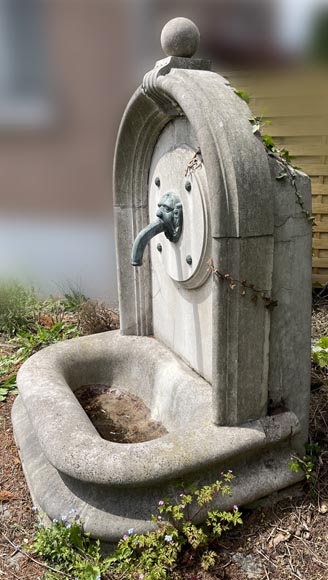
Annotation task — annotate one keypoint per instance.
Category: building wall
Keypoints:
(56, 171)
(56, 224)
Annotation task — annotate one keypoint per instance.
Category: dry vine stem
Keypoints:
(289, 171)
(194, 163)
(19, 549)
(269, 302)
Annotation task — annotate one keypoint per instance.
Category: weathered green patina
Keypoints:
(170, 219)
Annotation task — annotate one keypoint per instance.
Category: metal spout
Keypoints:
(142, 240)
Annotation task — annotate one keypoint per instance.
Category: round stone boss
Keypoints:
(177, 167)
(180, 37)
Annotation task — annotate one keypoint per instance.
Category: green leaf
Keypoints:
(242, 94)
(294, 466)
(269, 142)
(320, 352)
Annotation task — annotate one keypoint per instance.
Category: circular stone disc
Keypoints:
(168, 174)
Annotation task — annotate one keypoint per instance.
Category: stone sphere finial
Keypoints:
(180, 37)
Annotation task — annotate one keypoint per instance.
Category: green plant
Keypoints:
(29, 323)
(258, 123)
(285, 159)
(155, 555)
(18, 308)
(242, 94)
(308, 461)
(320, 352)
(7, 386)
(24, 345)
(272, 148)
(31, 342)
(9, 364)
(73, 300)
(69, 549)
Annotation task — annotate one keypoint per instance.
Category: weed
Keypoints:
(155, 555)
(7, 386)
(73, 300)
(30, 324)
(258, 123)
(152, 556)
(25, 344)
(308, 461)
(96, 317)
(242, 94)
(272, 148)
(18, 308)
(69, 549)
(30, 342)
(320, 352)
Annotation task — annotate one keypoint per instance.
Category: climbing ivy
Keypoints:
(288, 170)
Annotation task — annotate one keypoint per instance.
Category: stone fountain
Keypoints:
(215, 313)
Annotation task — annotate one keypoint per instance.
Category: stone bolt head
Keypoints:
(180, 37)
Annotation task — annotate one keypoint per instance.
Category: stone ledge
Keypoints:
(108, 511)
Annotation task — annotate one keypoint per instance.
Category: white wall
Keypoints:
(55, 255)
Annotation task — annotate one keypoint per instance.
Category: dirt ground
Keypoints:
(118, 415)
(278, 540)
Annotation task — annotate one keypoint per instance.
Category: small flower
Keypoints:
(317, 349)
(34, 508)
(68, 526)
(229, 471)
(125, 537)
(159, 517)
(160, 502)
(168, 538)
(55, 521)
(141, 576)
(63, 518)
(72, 511)
(183, 505)
(98, 577)
(235, 507)
(130, 531)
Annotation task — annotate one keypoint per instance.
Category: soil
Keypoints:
(118, 415)
(282, 538)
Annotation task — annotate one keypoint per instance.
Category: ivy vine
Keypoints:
(281, 154)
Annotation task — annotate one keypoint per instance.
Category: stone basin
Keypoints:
(116, 486)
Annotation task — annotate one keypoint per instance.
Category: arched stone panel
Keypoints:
(239, 199)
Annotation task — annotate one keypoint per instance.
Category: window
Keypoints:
(24, 87)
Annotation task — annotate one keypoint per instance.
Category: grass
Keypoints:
(29, 323)
(278, 541)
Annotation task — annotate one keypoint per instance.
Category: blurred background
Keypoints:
(67, 70)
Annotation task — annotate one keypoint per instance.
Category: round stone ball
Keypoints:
(180, 37)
